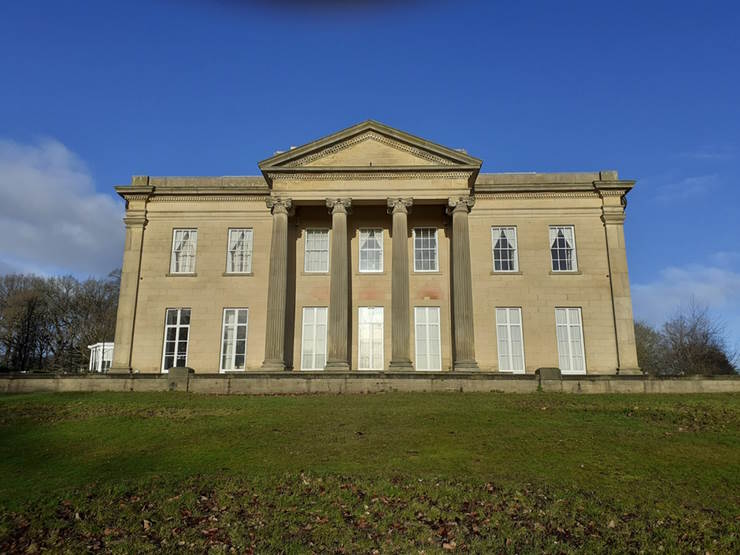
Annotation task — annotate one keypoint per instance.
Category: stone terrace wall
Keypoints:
(370, 382)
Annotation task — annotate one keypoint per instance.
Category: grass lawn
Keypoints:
(396, 473)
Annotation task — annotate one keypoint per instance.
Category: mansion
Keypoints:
(375, 250)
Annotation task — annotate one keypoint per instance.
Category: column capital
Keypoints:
(399, 204)
(455, 204)
(135, 218)
(613, 215)
(339, 205)
(279, 205)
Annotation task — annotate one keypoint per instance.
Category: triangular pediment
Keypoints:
(369, 145)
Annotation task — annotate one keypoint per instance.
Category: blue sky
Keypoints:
(93, 92)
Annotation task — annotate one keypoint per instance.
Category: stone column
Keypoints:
(338, 325)
(462, 285)
(400, 309)
(277, 285)
(135, 221)
(624, 328)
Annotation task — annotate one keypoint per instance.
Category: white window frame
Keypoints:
(552, 235)
(370, 325)
(236, 325)
(504, 324)
(306, 250)
(417, 231)
(178, 327)
(567, 328)
(363, 236)
(511, 237)
(194, 236)
(316, 310)
(247, 253)
(418, 336)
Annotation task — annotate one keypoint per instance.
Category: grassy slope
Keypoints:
(511, 472)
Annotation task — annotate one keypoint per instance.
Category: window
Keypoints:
(570, 340)
(509, 335)
(563, 249)
(176, 335)
(317, 250)
(425, 250)
(183, 251)
(505, 257)
(239, 255)
(234, 339)
(371, 250)
(370, 344)
(428, 352)
(313, 341)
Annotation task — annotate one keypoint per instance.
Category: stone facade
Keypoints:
(373, 177)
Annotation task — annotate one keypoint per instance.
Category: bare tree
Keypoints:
(696, 344)
(651, 349)
(47, 323)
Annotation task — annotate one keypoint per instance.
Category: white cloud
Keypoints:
(711, 153)
(51, 218)
(717, 288)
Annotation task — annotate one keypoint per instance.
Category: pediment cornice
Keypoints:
(306, 161)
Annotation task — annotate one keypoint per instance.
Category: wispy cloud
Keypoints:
(687, 187)
(712, 154)
(51, 218)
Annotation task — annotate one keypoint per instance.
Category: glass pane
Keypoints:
(185, 316)
(171, 316)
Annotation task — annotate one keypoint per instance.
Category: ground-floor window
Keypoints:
(510, 344)
(313, 342)
(176, 336)
(570, 340)
(428, 341)
(370, 332)
(234, 339)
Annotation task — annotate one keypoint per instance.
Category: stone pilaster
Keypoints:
(613, 217)
(462, 285)
(400, 309)
(135, 221)
(338, 325)
(277, 285)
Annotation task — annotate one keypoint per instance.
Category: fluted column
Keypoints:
(277, 285)
(400, 352)
(462, 285)
(338, 326)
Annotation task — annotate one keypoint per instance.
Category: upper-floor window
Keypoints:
(371, 250)
(505, 257)
(563, 248)
(184, 242)
(239, 257)
(425, 250)
(316, 257)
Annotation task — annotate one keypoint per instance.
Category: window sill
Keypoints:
(238, 274)
(500, 273)
(429, 273)
(370, 274)
(566, 273)
(305, 273)
(181, 274)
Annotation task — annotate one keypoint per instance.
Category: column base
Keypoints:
(337, 366)
(465, 366)
(400, 366)
(273, 366)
